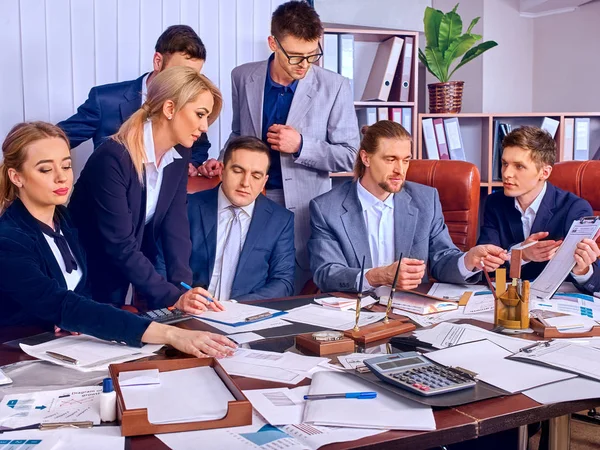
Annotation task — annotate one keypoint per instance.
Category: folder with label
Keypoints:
(240, 314)
(569, 135)
(430, 141)
(455, 142)
(582, 139)
(383, 70)
(440, 135)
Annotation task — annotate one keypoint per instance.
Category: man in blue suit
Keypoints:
(531, 209)
(109, 105)
(387, 221)
(242, 242)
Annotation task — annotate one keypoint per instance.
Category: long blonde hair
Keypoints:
(14, 150)
(179, 84)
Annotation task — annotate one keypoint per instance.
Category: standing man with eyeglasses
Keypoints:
(303, 112)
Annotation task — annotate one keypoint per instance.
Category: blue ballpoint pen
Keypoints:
(188, 287)
(357, 395)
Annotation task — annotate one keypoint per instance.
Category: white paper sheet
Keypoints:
(448, 334)
(331, 319)
(139, 377)
(263, 436)
(278, 406)
(480, 304)
(386, 411)
(565, 391)
(245, 338)
(345, 304)
(97, 438)
(571, 324)
(573, 304)
(235, 312)
(256, 326)
(488, 361)
(432, 319)
(91, 353)
(453, 291)
(64, 405)
(355, 360)
(185, 395)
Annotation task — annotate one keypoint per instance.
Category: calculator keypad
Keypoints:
(429, 379)
(165, 315)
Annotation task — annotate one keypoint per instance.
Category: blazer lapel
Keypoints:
(255, 91)
(133, 97)
(260, 217)
(305, 91)
(354, 225)
(210, 206)
(546, 210)
(405, 222)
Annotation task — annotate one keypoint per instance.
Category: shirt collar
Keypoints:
(145, 87)
(535, 205)
(368, 200)
(223, 203)
(167, 158)
(270, 84)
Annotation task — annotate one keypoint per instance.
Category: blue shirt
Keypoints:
(276, 107)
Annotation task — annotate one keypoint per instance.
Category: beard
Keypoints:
(387, 187)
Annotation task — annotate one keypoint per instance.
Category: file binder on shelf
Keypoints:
(454, 139)
(440, 135)
(402, 81)
(134, 422)
(582, 139)
(569, 136)
(330, 52)
(430, 141)
(383, 70)
(346, 57)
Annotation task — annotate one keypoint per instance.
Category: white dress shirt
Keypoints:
(528, 217)
(223, 224)
(72, 279)
(154, 174)
(379, 220)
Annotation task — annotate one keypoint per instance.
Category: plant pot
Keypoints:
(445, 97)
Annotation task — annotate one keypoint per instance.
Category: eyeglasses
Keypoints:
(295, 60)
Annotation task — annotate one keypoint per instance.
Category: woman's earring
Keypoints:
(170, 117)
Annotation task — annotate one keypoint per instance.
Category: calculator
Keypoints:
(166, 315)
(413, 372)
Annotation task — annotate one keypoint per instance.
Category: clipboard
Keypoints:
(134, 422)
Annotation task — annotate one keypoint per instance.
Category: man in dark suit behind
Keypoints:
(242, 242)
(109, 105)
(531, 209)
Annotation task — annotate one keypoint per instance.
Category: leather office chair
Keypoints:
(582, 178)
(197, 184)
(458, 184)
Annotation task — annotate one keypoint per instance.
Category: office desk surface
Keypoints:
(453, 424)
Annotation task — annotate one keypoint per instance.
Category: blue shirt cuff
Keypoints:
(297, 154)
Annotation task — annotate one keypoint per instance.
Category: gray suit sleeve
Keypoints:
(327, 260)
(443, 254)
(338, 153)
(235, 120)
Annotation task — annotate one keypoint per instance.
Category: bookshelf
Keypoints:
(477, 130)
(366, 42)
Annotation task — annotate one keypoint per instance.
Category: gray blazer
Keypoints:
(339, 236)
(323, 112)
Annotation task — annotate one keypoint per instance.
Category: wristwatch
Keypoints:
(327, 336)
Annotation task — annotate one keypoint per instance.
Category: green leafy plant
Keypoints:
(446, 43)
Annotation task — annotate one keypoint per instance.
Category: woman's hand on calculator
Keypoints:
(196, 301)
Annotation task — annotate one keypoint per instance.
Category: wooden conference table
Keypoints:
(455, 424)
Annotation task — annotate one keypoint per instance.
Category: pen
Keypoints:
(55, 425)
(482, 293)
(489, 282)
(188, 287)
(258, 317)
(357, 395)
(63, 358)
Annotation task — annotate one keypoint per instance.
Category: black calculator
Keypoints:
(166, 315)
(415, 373)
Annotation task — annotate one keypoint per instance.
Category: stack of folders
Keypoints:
(370, 115)
(443, 139)
(577, 140)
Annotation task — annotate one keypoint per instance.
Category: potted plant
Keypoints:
(445, 43)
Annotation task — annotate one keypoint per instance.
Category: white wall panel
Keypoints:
(128, 38)
(105, 40)
(150, 29)
(11, 75)
(227, 60)
(245, 31)
(189, 14)
(170, 13)
(35, 70)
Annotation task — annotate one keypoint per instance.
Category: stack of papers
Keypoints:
(279, 406)
(488, 361)
(241, 317)
(447, 334)
(186, 395)
(433, 319)
(571, 324)
(387, 411)
(264, 436)
(331, 319)
(87, 353)
(453, 291)
(64, 405)
(570, 303)
(354, 360)
(344, 303)
(419, 304)
(288, 368)
(97, 438)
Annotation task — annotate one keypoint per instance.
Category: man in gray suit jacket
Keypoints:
(381, 216)
(303, 112)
